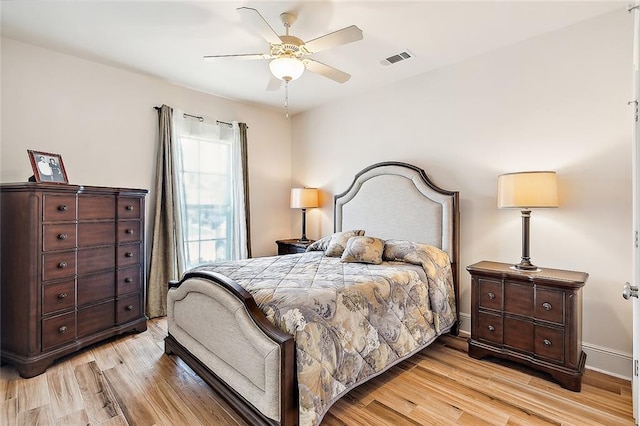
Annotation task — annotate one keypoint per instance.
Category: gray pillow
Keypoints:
(320, 245)
(363, 250)
(339, 241)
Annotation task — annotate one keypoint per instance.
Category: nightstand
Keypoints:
(292, 246)
(534, 318)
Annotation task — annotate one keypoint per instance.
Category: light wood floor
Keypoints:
(129, 380)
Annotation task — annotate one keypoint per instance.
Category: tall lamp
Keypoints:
(304, 198)
(527, 190)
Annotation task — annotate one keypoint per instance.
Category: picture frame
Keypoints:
(47, 167)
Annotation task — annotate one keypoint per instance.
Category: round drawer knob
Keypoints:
(129, 231)
(62, 296)
(491, 328)
(129, 308)
(129, 207)
(62, 265)
(128, 254)
(547, 342)
(62, 236)
(491, 295)
(546, 306)
(62, 329)
(63, 208)
(128, 280)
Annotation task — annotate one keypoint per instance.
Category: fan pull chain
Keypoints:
(286, 99)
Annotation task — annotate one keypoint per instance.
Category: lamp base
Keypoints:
(303, 240)
(526, 267)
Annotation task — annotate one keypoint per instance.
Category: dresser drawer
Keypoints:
(96, 287)
(130, 208)
(58, 330)
(91, 207)
(58, 207)
(490, 293)
(96, 234)
(58, 296)
(58, 236)
(96, 318)
(549, 343)
(128, 280)
(58, 265)
(518, 298)
(128, 308)
(518, 334)
(490, 327)
(550, 305)
(129, 230)
(128, 254)
(96, 259)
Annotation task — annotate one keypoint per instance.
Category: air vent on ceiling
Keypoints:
(393, 59)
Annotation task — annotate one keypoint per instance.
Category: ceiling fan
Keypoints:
(289, 54)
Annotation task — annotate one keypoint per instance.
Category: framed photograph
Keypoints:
(47, 167)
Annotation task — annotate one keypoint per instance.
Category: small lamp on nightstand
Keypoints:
(304, 198)
(527, 190)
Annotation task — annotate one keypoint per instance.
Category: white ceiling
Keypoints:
(168, 39)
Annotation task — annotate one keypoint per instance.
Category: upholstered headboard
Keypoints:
(397, 200)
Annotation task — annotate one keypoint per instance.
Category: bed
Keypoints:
(265, 333)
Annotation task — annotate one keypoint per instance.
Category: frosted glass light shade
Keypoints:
(527, 190)
(304, 198)
(286, 68)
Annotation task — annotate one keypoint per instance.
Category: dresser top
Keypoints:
(63, 187)
(505, 270)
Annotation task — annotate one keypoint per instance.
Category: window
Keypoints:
(205, 179)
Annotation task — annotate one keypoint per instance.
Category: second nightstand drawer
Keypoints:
(550, 305)
(549, 343)
(490, 327)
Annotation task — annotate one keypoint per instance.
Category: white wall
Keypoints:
(101, 120)
(556, 102)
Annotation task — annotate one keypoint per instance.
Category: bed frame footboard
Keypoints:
(217, 329)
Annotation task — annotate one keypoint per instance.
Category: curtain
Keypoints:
(242, 141)
(240, 184)
(167, 260)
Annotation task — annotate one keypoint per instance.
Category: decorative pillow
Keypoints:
(339, 241)
(363, 250)
(320, 245)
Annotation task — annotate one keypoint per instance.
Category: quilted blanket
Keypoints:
(350, 321)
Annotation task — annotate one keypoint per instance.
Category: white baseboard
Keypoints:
(604, 360)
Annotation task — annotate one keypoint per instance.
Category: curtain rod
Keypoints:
(199, 117)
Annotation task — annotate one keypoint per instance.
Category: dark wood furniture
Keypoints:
(72, 269)
(534, 318)
(292, 246)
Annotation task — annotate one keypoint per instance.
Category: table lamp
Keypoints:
(527, 190)
(304, 198)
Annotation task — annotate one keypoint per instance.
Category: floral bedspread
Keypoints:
(350, 321)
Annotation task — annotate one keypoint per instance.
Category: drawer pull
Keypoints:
(128, 280)
(129, 308)
(62, 208)
(62, 236)
(491, 296)
(62, 329)
(547, 342)
(129, 207)
(491, 328)
(546, 306)
(128, 254)
(129, 231)
(62, 296)
(62, 265)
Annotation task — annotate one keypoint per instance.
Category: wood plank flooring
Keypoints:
(130, 381)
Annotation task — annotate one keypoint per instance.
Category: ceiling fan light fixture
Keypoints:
(287, 68)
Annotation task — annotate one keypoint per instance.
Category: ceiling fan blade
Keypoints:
(253, 19)
(336, 38)
(274, 83)
(326, 71)
(242, 56)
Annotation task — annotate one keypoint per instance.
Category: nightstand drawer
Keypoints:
(490, 294)
(550, 305)
(490, 327)
(549, 343)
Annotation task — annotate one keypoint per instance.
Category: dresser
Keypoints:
(72, 269)
(534, 318)
(292, 246)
